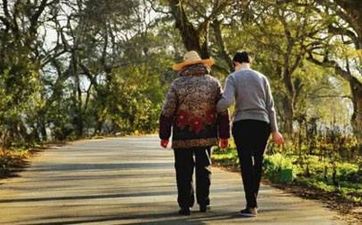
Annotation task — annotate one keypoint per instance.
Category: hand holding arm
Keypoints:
(228, 97)
(223, 122)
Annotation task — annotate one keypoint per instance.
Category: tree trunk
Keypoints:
(353, 16)
(288, 101)
(288, 111)
(41, 127)
(43, 131)
(221, 44)
(356, 120)
(77, 97)
(193, 39)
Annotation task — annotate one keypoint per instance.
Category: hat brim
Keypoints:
(207, 62)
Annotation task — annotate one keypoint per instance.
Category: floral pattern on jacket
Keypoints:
(190, 109)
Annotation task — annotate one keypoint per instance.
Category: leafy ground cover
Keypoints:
(336, 183)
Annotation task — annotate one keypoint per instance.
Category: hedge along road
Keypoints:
(131, 180)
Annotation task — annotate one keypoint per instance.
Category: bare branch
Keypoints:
(6, 9)
(332, 64)
(34, 20)
(346, 32)
(329, 96)
(6, 22)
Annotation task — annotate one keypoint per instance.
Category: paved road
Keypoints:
(131, 181)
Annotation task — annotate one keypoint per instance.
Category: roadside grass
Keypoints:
(12, 160)
(17, 158)
(336, 183)
(344, 179)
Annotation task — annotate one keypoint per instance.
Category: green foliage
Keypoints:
(10, 160)
(130, 102)
(324, 174)
(106, 73)
(279, 169)
(227, 157)
(106, 70)
(20, 96)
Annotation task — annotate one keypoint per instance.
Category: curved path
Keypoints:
(131, 181)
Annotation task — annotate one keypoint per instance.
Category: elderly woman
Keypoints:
(190, 109)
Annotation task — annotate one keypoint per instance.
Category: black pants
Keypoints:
(184, 165)
(251, 137)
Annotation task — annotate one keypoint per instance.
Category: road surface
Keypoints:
(131, 180)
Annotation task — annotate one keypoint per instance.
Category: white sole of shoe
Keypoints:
(247, 215)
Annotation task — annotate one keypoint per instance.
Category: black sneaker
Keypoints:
(204, 208)
(249, 212)
(184, 211)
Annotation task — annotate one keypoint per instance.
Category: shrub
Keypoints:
(279, 169)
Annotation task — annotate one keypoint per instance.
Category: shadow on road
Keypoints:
(100, 166)
(111, 196)
(169, 218)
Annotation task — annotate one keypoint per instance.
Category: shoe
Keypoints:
(249, 212)
(184, 211)
(204, 208)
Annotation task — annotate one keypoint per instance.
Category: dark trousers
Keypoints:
(185, 161)
(251, 137)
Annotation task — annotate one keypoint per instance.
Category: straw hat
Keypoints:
(191, 58)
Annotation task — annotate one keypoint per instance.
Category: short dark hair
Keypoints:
(242, 57)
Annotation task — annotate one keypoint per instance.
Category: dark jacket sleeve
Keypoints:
(223, 121)
(223, 124)
(167, 114)
(165, 127)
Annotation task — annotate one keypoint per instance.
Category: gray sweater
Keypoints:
(253, 96)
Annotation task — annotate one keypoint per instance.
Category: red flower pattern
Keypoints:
(210, 116)
(196, 124)
(182, 119)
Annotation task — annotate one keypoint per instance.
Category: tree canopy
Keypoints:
(75, 68)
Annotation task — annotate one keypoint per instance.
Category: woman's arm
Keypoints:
(228, 97)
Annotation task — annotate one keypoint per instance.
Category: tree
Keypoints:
(19, 69)
(346, 27)
(280, 34)
(104, 53)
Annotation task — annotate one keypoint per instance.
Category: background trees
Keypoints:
(85, 67)
(342, 51)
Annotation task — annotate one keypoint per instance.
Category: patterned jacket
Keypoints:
(190, 109)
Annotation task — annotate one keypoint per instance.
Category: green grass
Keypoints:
(325, 175)
(227, 158)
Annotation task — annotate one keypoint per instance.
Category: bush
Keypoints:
(12, 159)
(279, 169)
(228, 157)
(349, 172)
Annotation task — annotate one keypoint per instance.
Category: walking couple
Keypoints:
(196, 110)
